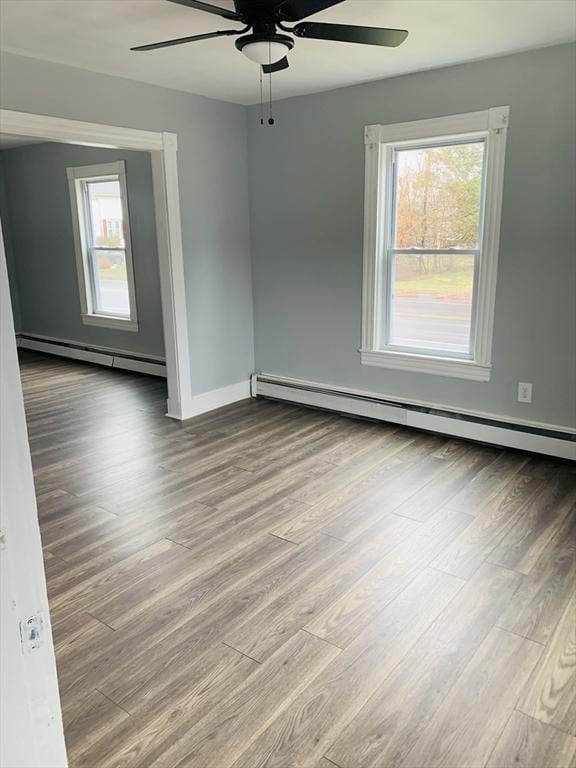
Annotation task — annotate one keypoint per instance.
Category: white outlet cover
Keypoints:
(524, 392)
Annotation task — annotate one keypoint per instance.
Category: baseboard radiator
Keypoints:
(113, 358)
(546, 439)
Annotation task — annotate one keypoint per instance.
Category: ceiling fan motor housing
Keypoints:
(251, 10)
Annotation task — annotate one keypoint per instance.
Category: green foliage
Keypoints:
(449, 286)
(438, 275)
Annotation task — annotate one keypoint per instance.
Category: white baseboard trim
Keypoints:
(400, 400)
(217, 398)
(140, 366)
(557, 442)
(75, 350)
(98, 347)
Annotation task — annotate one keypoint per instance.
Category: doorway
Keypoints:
(162, 148)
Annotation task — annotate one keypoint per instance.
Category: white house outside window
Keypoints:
(102, 240)
(432, 219)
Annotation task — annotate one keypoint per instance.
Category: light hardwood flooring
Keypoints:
(267, 585)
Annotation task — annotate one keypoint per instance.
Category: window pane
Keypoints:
(431, 303)
(437, 196)
(110, 283)
(106, 213)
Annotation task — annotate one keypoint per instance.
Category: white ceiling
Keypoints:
(96, 35)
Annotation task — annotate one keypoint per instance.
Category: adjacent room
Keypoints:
(288, 384)
(80, 236)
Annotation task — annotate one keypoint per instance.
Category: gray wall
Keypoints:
(42, 245)
(307, 186)
(306, 195)
(213, 167)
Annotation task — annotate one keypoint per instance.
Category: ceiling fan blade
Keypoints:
(180, 40)
(294, 10)
(276, 67)
(209, 8)
(346, 33)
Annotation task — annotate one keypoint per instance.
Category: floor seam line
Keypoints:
(114, 629)
(113, 702)
(524, 637)
(303, 629)
(550, 725)
(240, 652)
(288, 541)
(331, 761)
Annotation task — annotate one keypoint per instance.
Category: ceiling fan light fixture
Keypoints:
(265, 50)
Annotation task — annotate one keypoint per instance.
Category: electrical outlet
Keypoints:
(524, 392)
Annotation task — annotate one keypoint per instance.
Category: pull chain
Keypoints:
(270, 118)
(270, 114)
(261, 99)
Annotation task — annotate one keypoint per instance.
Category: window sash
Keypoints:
(92, 249)
(93, 309)
(394, 149)
(384, 320)
(384, 282)
(87, 208)
(97, 302)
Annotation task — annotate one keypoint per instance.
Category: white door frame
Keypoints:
(162, 147)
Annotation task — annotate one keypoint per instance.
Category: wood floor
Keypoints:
(273, 586)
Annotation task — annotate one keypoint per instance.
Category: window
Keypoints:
(102, 241)
(432, 219)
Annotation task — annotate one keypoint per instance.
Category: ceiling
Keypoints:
(96, 35)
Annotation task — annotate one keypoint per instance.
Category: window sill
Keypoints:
(109, 321)
(437, 366)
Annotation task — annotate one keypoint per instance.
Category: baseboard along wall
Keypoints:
(548, 439)
(119, 358)
(76, 350)
(217, 398)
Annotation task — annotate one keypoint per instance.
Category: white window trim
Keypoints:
(76, 176)
(490, 124)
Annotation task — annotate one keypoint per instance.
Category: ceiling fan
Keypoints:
(268, 47)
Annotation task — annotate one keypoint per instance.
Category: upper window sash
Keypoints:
(84, 185)
(490, 126)
(393, 150)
